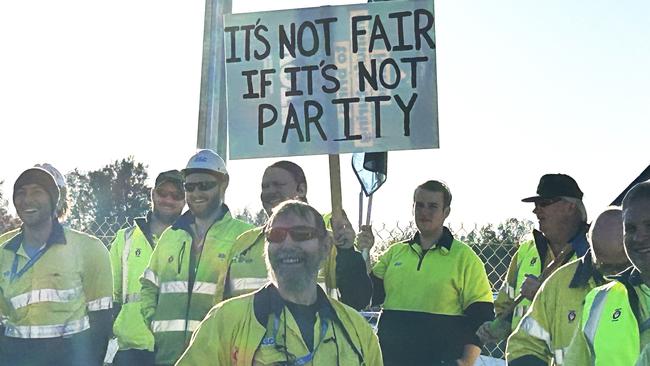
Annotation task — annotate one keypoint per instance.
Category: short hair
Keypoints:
(436, 186)
(640, 191)
(292, 168)
(580, 206)
(302, 210)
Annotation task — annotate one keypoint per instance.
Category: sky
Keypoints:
(525, 88)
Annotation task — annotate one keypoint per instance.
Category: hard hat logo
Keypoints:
(206, 160)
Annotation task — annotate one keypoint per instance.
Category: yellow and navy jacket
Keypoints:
(433, 300)
(344, 270)
(531, 258)
(258, 329)
(130, 253)
(179, 287)
(615, 323)
(545, 332)
(63, 290)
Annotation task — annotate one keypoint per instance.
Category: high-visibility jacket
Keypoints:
(644, 359)
(247, 271)
(178, 287)
(530, 259)
(8, 235)
(258, 329)
(50, 295)
(547, 328)
(433, 300)
(130, 253)
(615, 324)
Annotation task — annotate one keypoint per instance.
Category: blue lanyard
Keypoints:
(300, 361)
(15, 274)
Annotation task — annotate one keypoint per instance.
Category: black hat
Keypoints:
(556, 185)
(172, 176)
(41, 177)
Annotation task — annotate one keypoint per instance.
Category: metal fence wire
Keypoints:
(495, 255)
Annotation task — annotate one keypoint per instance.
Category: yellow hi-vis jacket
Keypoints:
(130, 253)
(547, 328)
(615, 324)
(51, 294)
(179, 288)
(258, 329)
(530, 259)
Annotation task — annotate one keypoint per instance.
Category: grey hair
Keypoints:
(579, 205)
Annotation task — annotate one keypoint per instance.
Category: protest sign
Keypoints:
(329, 80)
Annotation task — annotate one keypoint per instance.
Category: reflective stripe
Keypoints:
(103, 303)
(520, 311)
(594, 316)
(180, 287)
(47, 331)
(132, 298)
(177, 325)
(252, 283)
(150, 276)
(534, 329)
(558, 355)
(45, 295)
(128, 234)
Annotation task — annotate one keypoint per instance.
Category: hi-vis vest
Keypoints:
(528, 263)
(610, 327)
(171, 303)
(130, 254)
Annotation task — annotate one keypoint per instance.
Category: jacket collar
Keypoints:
(267, 301)
(144, 223)
(445, 240)
(185, 221)
(579, 243)
(629, 277)
(585, 271)
(57, 236)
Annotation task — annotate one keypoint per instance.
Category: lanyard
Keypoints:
(15, 274)
(308, 357)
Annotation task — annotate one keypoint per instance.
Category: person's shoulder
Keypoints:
(75, 236)
(250, 235)
(352, 316)
(5, 237)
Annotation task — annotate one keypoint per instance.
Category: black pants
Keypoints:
(69, 351)
(133, 357)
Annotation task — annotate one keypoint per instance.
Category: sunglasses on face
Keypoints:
(202, 186)
(297, 233)
(547, 201)
(176, 196)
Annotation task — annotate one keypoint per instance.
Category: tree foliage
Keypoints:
(7, 221)
(109, 197)
(257, 219)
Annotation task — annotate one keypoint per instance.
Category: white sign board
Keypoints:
(334, 79)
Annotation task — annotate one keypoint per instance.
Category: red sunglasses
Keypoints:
(297, 233)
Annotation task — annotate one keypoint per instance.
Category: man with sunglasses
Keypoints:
(344, 270)
(290, 321)
(130, 253)
(561, 237)
(545, 332)
(180, 283)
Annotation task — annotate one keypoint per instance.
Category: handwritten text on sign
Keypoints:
(335, 79)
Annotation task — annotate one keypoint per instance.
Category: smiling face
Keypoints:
(278, 185)
(429, 211)
(636, 227)
(33, 205)
(168, 201)
(294, 258)
(204, 203)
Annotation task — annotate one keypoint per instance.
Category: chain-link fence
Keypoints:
(496, 255)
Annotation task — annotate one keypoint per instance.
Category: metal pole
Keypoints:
(212, 129)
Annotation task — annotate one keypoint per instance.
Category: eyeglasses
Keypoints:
(176, 196)
(297, 233)
(547, 201)
(202, 186)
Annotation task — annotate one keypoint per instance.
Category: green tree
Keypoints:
(257, 219)
(7, 221)
(108, 198)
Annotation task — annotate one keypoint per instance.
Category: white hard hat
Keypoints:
(58, 177)
(206, 159)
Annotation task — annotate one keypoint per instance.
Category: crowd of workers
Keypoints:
(204, 288)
